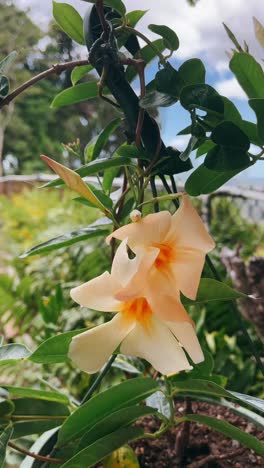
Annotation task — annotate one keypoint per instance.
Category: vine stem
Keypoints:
(56, 461)
(218, 278)
(55, 69)
(98, 380)
(148, 41)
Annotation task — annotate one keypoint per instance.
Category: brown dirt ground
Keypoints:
(206, 448)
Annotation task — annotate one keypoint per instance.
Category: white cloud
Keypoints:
(180, 142)
(231, 89)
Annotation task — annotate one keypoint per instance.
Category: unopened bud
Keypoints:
(135, 216)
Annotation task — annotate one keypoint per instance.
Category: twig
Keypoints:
(56, 461)
(173, 184)
(98, 379)
(154, 193)
(55, 69)
(213, 458)
(148, 41)
(100, 12)
(183, 435)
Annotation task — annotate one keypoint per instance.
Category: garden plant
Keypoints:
(149, 272)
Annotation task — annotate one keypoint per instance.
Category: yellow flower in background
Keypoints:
(182, 241)
(138, 325)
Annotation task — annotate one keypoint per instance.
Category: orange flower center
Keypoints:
(138, 309)
(166, 256)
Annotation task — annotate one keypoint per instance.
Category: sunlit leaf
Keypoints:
(4, 439)
(169, 36)
(79, 72)
(69, 21)
(249, 74)
(78, 93)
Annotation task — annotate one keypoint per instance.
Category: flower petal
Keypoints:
(186, 335)
(158, 346)
(90, 350)
(166, 307)
(98, 293)
(187, 270)
(148, 231)
(188, 229)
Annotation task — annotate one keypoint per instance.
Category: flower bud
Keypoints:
(135, 216)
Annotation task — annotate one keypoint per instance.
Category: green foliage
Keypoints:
(69, 21)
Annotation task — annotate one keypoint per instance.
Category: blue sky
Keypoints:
(201, 35)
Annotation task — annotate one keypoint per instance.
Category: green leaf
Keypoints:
(251, 130)
(4, 439)
(204, 180)
(231, 150)
(205, 147)
(131, 152)
(80, 92)
(107, 201)
(168, 81)
(6, 408)
(35, 393)
(55, 349)
(232, 37)
(192, 72)
(147, 54)
(258, 107)
(229, 430)
(172, 164)
(126, 394)
(7, 61)
(202, 96)
(79, 72)
(248, 73)
(160, 402)
(12, 352)
(103, 137)
(185, 384)
(94, 167)
(89, 456)
(69, 21)
(112, 422)
(65, 240)
(4, 86)
(157, 99)
(117, 5)
(42, 446)
(134, 16)
(121, 362)
(205, 368)
(170, 38)
(256, 403)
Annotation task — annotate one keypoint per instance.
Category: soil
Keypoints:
(206, 448)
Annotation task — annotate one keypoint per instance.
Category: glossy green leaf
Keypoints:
(147, 54)
(131, 152)
(251, 130)
(256, 403)
(229, 134)
(192, 72)
(228, 430)
(258, 107)
(4, 439)
(232, 37)
(205, 147)
(6, 408)
(79, 72)
(4, 86)
(91, 455)
(117, 5)
(134, 16)
(107, 201)
(249, 74)
(7, 61)
(35, 393)
(80, 92)
(203, 369)
(157, 99)
(202, 96)
(126, 394)
(94, 167)
(103, 137)
(204, 180)
(36, 426)
(169, 81)
(121, 362)
(160, 402)
(112, 422)
(198, 386)
(42, 446)
(172, 164)
(12, 352)
(65, 240)
(169, 36)
(69, 21)
(55, 349)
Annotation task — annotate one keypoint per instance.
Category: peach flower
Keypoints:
(138, 327)
(182, 241)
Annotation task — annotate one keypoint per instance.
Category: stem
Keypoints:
(55, 69)
(218, 278)
(56, 461)
(100, 12)
(183, 435)
(99, 379)
(154, 193)
(172, 197)
(173, 184)
(142, 36)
